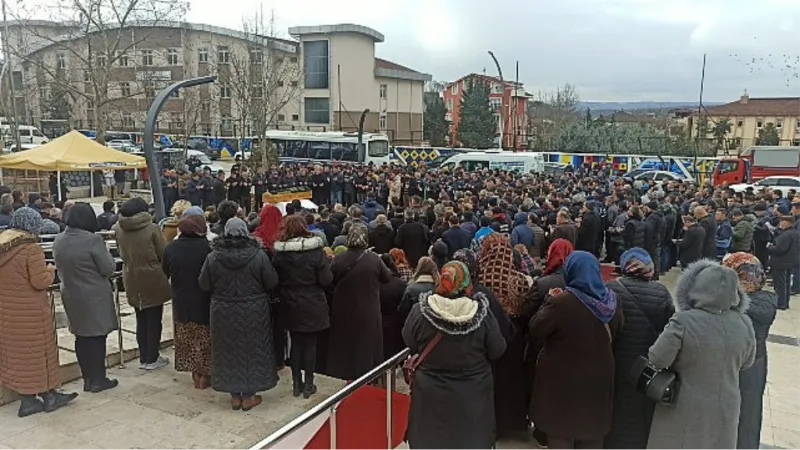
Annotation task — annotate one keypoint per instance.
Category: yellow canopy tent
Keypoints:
(71, 152)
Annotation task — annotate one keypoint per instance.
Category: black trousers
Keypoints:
(782, 281)
(91, 354)
(303, 356)
(148, 333)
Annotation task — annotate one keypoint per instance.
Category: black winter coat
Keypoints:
(304, 271)
(709, 224)
(382, 239)
(690, 248)
(634, 233)
(456, 239)
(183, 260)
(647, 307)
(653, 232)
(239, 274)
(411, 295)
(588, 233)
(330, 229)
(391, 295)
(412, 238)
(785, 253)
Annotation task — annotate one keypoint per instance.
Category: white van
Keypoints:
(27, 134)
(524, 162)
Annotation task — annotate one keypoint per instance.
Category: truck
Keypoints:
(758, 162)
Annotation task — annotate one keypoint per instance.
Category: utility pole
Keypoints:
(502, 99)
(8, 69)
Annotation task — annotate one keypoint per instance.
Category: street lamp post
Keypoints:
(150, 129)
(502, 99)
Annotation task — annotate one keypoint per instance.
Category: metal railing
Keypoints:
(388, 369)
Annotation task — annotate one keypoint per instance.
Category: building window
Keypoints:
(147, 57)
(280, 83)
(227, 124)
(61, 61)
(295, 117)
(315, 60)
(125, 89)
(175, 94)
(223, 55)
(127, 121)
(449, 104)
(454, 88)
(739, 122)
(205, 107)
(317, 110)
(496, 88)
(172, 57)
(202, 55)
(281, 118)
(87, 76)
(294, 83)
(258, 90)
(494, 103)
(101, 60)
(256, 56)
(382, 122)
(149, 89)
(122, 59)
(224, 91)
(779, 123)
(759, 122)
(383, 89)
(293, 60)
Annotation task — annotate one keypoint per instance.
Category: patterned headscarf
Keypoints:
(498, 274)
(636, 262)
(748, 268)
(470, 259)
(556, 255)
(358, 236)
(27, 219)
(454, 280)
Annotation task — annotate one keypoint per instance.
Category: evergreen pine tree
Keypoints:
(477, 126)
(435, 126)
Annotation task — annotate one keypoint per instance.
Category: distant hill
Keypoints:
(657, 108)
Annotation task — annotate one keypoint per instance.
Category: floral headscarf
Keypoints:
(498, 274)
(454, 280)
(556, 255)
(470, 259)
(636, 262)
(358, 236)
(748, 268)
(27, 219)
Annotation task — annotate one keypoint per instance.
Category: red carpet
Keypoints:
(361, 421)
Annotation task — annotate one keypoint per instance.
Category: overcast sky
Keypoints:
(612, 50)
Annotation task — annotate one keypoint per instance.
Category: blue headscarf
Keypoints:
(636, 262)
(583, 279)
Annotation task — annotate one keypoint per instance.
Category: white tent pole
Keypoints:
(1, 175)
(91, 184)
(58, 187)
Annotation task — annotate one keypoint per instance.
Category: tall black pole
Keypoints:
(361, 151)
(699, 116)
(149, 131)
(502, 98)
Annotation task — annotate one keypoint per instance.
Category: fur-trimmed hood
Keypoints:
(709, 286)
(456, 316)
(298, 244)
(235, 252)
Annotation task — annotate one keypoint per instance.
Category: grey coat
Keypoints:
(707, 342)
(84, 267)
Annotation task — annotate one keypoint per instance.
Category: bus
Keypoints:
(306, 146)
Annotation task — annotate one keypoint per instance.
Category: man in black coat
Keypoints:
(784, 257)
(456, 237)
(653, 235)
(412, 237)
(589, 231)
(709, 224)
(690, 247)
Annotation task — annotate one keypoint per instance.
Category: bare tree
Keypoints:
(551, 112)
(98, 38)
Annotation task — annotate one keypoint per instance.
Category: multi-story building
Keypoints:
(747, 116)
(320, 82)
(510, 103)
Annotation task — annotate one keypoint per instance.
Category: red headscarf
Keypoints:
(556, 255)
(270, 225)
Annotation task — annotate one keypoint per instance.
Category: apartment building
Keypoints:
(511, 102)
(321, 81)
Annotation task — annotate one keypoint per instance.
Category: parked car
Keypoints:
(782, 183)
(199, 145)
(197, 159)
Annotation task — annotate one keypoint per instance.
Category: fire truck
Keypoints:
(758, 162)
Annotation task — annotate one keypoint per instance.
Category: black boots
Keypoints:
(309, 389)
(30, 405)
(95, 386)
(297, 387)
(54, 400)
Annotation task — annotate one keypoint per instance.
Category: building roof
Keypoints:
(337, 28)
(746, 106)
(488, 78)
(388, 69)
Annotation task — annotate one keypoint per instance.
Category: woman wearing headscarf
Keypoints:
(572, 395)
(141, 247)
(452, 404)
(752, 381)
(304, 272)
(84, 267)
(356, 333)
(183, 259)
(647, 308)
(425, 278)
(511, 288)
(29, 362)
(402, 265)
(708, 342)
(553, 273)
(239, 275)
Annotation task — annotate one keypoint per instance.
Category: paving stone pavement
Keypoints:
(161, 409)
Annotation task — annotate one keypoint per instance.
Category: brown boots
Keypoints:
(245, 403)
(201, 381)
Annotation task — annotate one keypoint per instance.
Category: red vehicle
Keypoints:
(756, 163)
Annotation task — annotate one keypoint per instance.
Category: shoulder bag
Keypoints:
(413, 362)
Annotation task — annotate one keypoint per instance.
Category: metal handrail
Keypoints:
(331, 404)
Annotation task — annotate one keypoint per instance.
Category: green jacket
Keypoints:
(743, 234)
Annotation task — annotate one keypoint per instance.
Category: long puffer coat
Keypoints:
(647, 308)
(28, 353)
(238, 273)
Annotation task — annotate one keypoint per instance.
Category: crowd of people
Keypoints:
(492, 278)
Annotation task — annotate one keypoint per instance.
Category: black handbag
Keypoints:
(660, 385)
